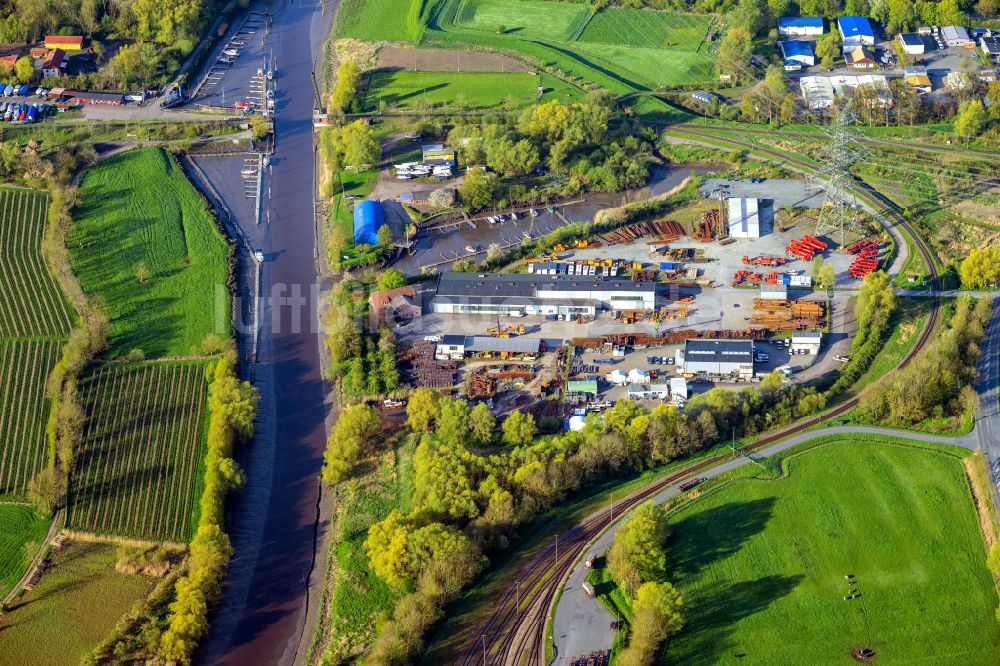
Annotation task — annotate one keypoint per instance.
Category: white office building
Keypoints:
(744, 218)
(808, 342)
(721, 358)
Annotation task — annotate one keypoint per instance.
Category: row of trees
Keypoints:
(637, 560)
(937, 384)
(345, 94)
(232, 405)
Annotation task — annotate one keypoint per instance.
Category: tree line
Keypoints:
(638, 562)
(232, 406)
(937, 385)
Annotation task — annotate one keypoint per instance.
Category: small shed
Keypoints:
(861, 58)
(617, 377)
(450, 347)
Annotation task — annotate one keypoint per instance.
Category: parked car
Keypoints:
(432, 338)
(842, 359)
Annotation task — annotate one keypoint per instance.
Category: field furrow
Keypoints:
(141, 450)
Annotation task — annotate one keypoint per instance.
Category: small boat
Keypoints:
(526, 234)
(249, 172)
(501, 217)
(533, 212)
(471, 248)
(513, 214)
(550, 209)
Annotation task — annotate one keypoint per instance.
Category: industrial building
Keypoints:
(457, 346)
(649, 392)
(722, 358)
(679, 388)
(807, 342)
(855, 31)
(703, 96)
(744, 218)
(956, 35)
(64, 42)
(520, 294)
(797, 52)
(368, 218)
(991, 47)
(800, 26)
(586, 387)
(774, 292)
(912, 43)
(819, 91)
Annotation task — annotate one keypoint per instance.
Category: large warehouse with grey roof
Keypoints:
(534, 294)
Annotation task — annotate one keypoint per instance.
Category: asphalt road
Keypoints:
(582, 624)
(261, 619)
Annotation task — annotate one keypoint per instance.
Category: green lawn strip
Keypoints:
(359, 596)
(761, 563)
(522, 18)
(22, 531)
(652, 67)
(139, 209)
(653, 29)
(382, 20)
(463, 91)
(73, 607)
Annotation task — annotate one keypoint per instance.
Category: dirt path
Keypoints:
(54, 528)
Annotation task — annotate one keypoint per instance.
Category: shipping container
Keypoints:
(666, 265)
(800, 281)
(589, 589)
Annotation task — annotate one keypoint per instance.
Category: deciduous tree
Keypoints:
(518, 428)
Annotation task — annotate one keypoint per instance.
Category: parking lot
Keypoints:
(235, 73)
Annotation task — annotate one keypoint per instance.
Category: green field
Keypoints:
(138, 208)
(559, 21)
(138, 470)
(19, 526)
(378, 20)
(649, 67)
(24, 368)
(471, 90)
(624, 51)
(30, 302)
(761, 563)
(637, 27)
(72, 609)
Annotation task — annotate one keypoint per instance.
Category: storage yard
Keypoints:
(632, 301)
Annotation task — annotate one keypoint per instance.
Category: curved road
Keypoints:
(272, 522)
(581, 624)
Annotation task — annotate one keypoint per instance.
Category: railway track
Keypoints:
(514, 634)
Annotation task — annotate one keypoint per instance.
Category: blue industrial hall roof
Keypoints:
(368, 217)
(855, 26)
(796, 47)
(801, 22)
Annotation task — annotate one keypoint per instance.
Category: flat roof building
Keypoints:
(778, 292)
(990, 46)
(856, 31)
(583, 387)
(519, 294)
(797, 51)
(744, 218)
(912, 43)
(457, 346)
(649, 391)
(719, 357)
(679, 387)
(808, 342)
(800, 26)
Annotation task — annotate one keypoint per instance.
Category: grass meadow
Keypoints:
(378, 20)
(638, 27)
(761, 563)
(72, 609)
(140, 210)
(559, 21)
(470, 90)
(22, 530)
(650, 67)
